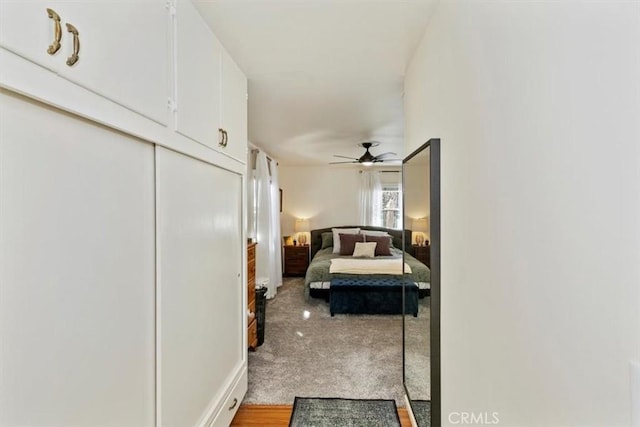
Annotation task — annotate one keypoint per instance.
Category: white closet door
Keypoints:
(77, 271)
(200, 337)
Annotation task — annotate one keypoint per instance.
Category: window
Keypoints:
(391, 206)
(381, 199)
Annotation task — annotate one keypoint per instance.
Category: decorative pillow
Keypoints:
(327, 240)
(383, 247)
(364, 250)
(348, 242)
(377, 233)
(336, 237)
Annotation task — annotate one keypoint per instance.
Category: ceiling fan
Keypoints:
(367, 159)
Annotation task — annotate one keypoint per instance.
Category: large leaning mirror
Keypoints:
(421, 327)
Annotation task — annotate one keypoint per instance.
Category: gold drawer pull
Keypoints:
(235, 402)
(76, 45)
(57, 36)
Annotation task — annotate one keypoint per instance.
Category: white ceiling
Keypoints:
(323, 75)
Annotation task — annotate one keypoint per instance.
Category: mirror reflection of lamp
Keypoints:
(420, 226)
(302, 227)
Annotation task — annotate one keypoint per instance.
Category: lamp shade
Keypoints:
(421, 225)
(302, 225)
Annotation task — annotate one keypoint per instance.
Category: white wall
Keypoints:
(537, 105)
(327, 195)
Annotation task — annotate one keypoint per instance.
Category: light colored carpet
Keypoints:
(308, 353)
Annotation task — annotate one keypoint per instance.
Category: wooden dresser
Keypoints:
(252, 328)
(296, 260)
(423, 254)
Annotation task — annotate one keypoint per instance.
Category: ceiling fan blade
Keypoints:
(339, 163)
(384, 156)
(345, 157)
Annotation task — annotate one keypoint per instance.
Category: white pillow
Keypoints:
(375, 233)
(336, 236)
(365, 250)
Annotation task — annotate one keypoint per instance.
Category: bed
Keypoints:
(318, 276)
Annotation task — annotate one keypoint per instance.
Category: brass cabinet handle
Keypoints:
(221, 142)
(235, 402)
(76, 45)
(57, 36)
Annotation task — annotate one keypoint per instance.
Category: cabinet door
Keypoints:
(26, 29)
(198, 56)
(123, 52)
(200, 294)
(77, 276)
(234, 108)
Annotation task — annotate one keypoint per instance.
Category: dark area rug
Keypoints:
(422, 412)
(326, 412)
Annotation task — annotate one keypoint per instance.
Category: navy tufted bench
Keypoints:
(371, 296)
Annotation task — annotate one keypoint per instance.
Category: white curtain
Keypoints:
(267, 211)
(370, 198)
(251, 201)
(275, 275)
(401, 206)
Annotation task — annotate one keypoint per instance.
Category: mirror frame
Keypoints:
(434, 302)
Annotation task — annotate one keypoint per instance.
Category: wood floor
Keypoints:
(278, 416)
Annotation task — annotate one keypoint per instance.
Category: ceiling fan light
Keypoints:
(367, 159)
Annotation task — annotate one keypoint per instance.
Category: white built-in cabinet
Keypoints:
(122, 257)
(123, 50)
(214, 114)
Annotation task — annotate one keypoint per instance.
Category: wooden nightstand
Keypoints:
(252, 325)
(296, 260)
(423, 254)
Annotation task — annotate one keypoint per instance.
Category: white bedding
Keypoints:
(327, 285)
(368, 266)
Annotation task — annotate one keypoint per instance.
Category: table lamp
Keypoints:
(420, 226)
(302, 226)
